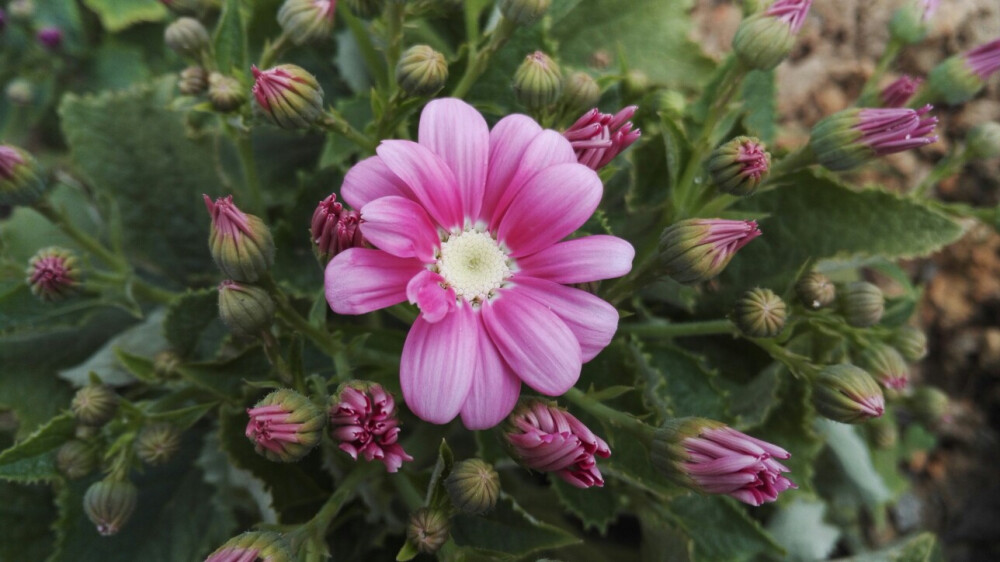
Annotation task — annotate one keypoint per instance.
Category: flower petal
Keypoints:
(456, 132)
(425, 291)
(550, 206)
(401, 227)
(495, 388)
(438, 363)
(534, 341)
(370, 179)
(592, 320)
(581, 260)
(433, 183)
(360, 280)
(509, 139)
(547, 149)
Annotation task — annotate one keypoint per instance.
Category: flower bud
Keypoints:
(983, 141)
(538, 81)
(581, 92)
(76, 459)
(288, 96)
(421, 71)
(959, 78)
(898, 93)
(21, 10)
(760, 314)
(862, 304)
(187, 37)
(20, 92)
(696, 250)
(19, 180)
(225, 93)
(307, 21)
(193, 81)
(285, 426)
(739, 166)
(247, 310)
(672, 103)
(887, 366)
(50, 37)
(94, 405)
(334, 229)
(928, 404)
(241, 244)
(524, 12)
(428, 530)
(254, 546)
(882, 432)
(764, 40)
(473, 486)
(365, 8)
(815, 290)
(165, 364)
(53, 274)
(636, 83)
(847, 394)
(109, 504)
(709, 457)
(852, 137)
(910, 22)
(157, 443)
(363, 420)
(597, 138)
(910, 342)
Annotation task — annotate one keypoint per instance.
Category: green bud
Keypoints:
(76, 459)
(225, 93)
(241, 244)
(760, 314)
(246, 309)
(953, 81)
(696, 250)
(928, 404)
(20, 92)
(887, 366)
(473, 486)
(763, 41)
(815, 290)
(428, 530)
(581, 93)
(862, 304)
(672, 103)
(421, 71)
(165, 364)
(739, 166)
(284, 426)
(882, 432)
(263, 546)
(524, 12)
(109, 504)
(907, 24)
(307, 21)
(187, 37)
(847, 394)
(94, 405)
(53, 274)
(365, 8)
(288, 96)
(193, 81)
(910, 342)
(983, 141)
(538, 81)
(157, 443)
(20, 183)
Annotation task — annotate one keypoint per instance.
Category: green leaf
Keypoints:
(33, 459)
(26, 513)
(116, 15)
(789, 426)
(800, 528)
(145, 340)
(595, 507)
(760, 101)
(920, 548)
(689, 387)
(225, 377)
(755, 400)
(231, 38)
(855, 461)
(437, 494)
(719, 529)
(192, 326)
(508, 532)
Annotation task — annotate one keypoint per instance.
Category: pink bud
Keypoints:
(334, 229)
(985, 59)
(363, 420)
(792, 12)
(900, 91)
(598, 137)
(50, 37)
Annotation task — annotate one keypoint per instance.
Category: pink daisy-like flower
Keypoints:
(468, 225)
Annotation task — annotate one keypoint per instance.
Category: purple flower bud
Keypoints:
(598, 137)
(900, 91)
(50, 37)
(255, 546)
(363, 420)
(53, 274)
(847, 394)
(765, 39)
(959, 78)
(739, 166)
(285, 426)
(19, 180)
(334, 229)
(985, 59)
(696, 250)
(241, 244)
(852, 137)
(887, 366)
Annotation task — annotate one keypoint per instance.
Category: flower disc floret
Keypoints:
(473, 265)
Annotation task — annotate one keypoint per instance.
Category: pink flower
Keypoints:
(598, 137)
(364, 421)
(889, 130)
(984, 60)
(726, 461)
(284, 426)
(547, 438)
(468, 224)
(50, 37)
(900, 91)
(792, 12)
(334, 228)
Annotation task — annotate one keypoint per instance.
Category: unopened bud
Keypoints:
(764, 40)
(473, 486)
(157, 443)
(334, 229)
(193, 81)
(909, 23)
(285, 426)
(580, 93)
(307, 21)
(524, 12)
(847, 394)
(910, 342)
(109, 504)
(851, 137)
(363, 421)
(887, 366)
(882, 432)
(695, 250)
(94, 405)
(959, 78)
(898, 93)
(538, 81)
(165, 364)
(254, 546)
(20, 92)
(983, 141)
(815, 290)
(672, 103)
(76, 459)
(928, 404)
(50, 37)
(187, 37)
(421, 71)
(288, 96)
(740, 166)
(225, 92)
(20, 183)
(862, 304)
(247, 310)
(53, 274)
(365, 8)
(428, 530)
(240, 243)
(760, 314)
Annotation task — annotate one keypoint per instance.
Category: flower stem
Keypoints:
(608, 414)
(321, 338)
(244, 149)
(792, 162)
(945, 168)
(798, 365)
(680, 329)
(273, 50)
(333, 121)
(315, 530)
(151, 292)
(477, 63)
(395, 15)
(58, 218)
(869, 92)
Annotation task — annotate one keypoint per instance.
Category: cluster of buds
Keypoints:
(53, 274)
(307, 21)
(473, 486)
(739, 166)
(19, 180)
(597, 138)
(94, 405)
(254, 546)
(815, 290)
(109, 504)
(288, 96)
(959, 78)
(538, 82)
(760, 314)
(284, 426)
(524, 12)
(188, 38)
(696, 250)
(888, 367)
(899, 92)
(852, 137)
(862, 304)
(709, 457)
(421, 71)
(544, 437)
(157, 443)
(765, 39)
(334, 229)
(847, 394)
(363, 421)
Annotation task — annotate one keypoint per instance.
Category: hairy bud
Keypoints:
(421, 71)
(53, 274)
(887, 366)
(193, 81)
(473, 486)
(428, 530)
(284, 426)
(580, 92)
(307, 21)
(815, 290)
(20, 183)
(288, 96)
(760, 314)
(764, 40)
(157, 443)
(959, 78)
(862, 304)
(910, 342)
(187, 37)
(109, 504)
(538, 81)
(247, 310)
(76, 459)
(695, 250)
(739, 166)
(94, 405)
(225, 92)
(241, 244)
(852, 137)
(847, 394)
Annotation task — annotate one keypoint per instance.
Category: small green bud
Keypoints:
(365, 8)
(193, 81)
(421, 71)
(739, 166)
(524, 12)
(672, 103)
(157, 443)
(187, 37)
(762, 42)
(636, 83)
(225, 93)
(887, 366)
(76, 459)
(847, 394)
(428, 530)
(20, 183)
(760, 314)
(53, 274)
(953, 81)
(983, 141)
(246, 309)
(815, 290)
(307, 21)
(908, 24)
(165, 364)
(109, 504)
(241, 244)
(263, 546)
(862, 304)
(882, 432)
(580, 93)
(473, 486)
(94, 405)
(910, 342)
(538, 81)
(284, 426)
(20, 92)
(288, 96)
(928, 404)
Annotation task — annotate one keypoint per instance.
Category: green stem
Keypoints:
(273, 50)
(376, 68)
(478, 63)
(680, 329)
(946, 168)
(799, 365)
(58, 218)
(335, 122)
(792, 162)
(869, 94)
(244, 150)
(315, 530)
(321, 338)
(395, 15)
(609, 414)
(145, 290)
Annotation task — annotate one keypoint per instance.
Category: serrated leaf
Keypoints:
(914, 549)
(754, 401)
(688, 386)
(139, 367)
(719, 530)
(230, 39)
(855, 461)
(508, 532)
(33, 458)
(144, 339)
(116, 15)
(800, 528)
(437, 495)
(192, 326)
(595, 507)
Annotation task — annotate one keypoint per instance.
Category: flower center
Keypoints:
(473, 265)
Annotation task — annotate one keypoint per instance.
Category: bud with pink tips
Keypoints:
(288, 96)
(20, 183)
(542, 436)
(598, 137)
(241, 244)
(910, 23)
(765, 39)
(307, 21)
(712, 458)
(334, 228)
(363, 420)
(847, 394)
(739, 166)
(696, 250)
(254, 546)
(900, 91)
(959, 78)
(53, 274)
(852, 137)
(285, 426)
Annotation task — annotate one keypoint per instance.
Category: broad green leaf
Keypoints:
(117, 65)
(192, 326)
(33, 459)
(854, 459)
(595, 507)
(437, 495)
(920, 548)
(753, 402)
(26, 513)
(145, 340)
(116, 15)
(508, 532)
(719, 530)
(760, 102)
(231, 38)
(800, 528)
(688, 387)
